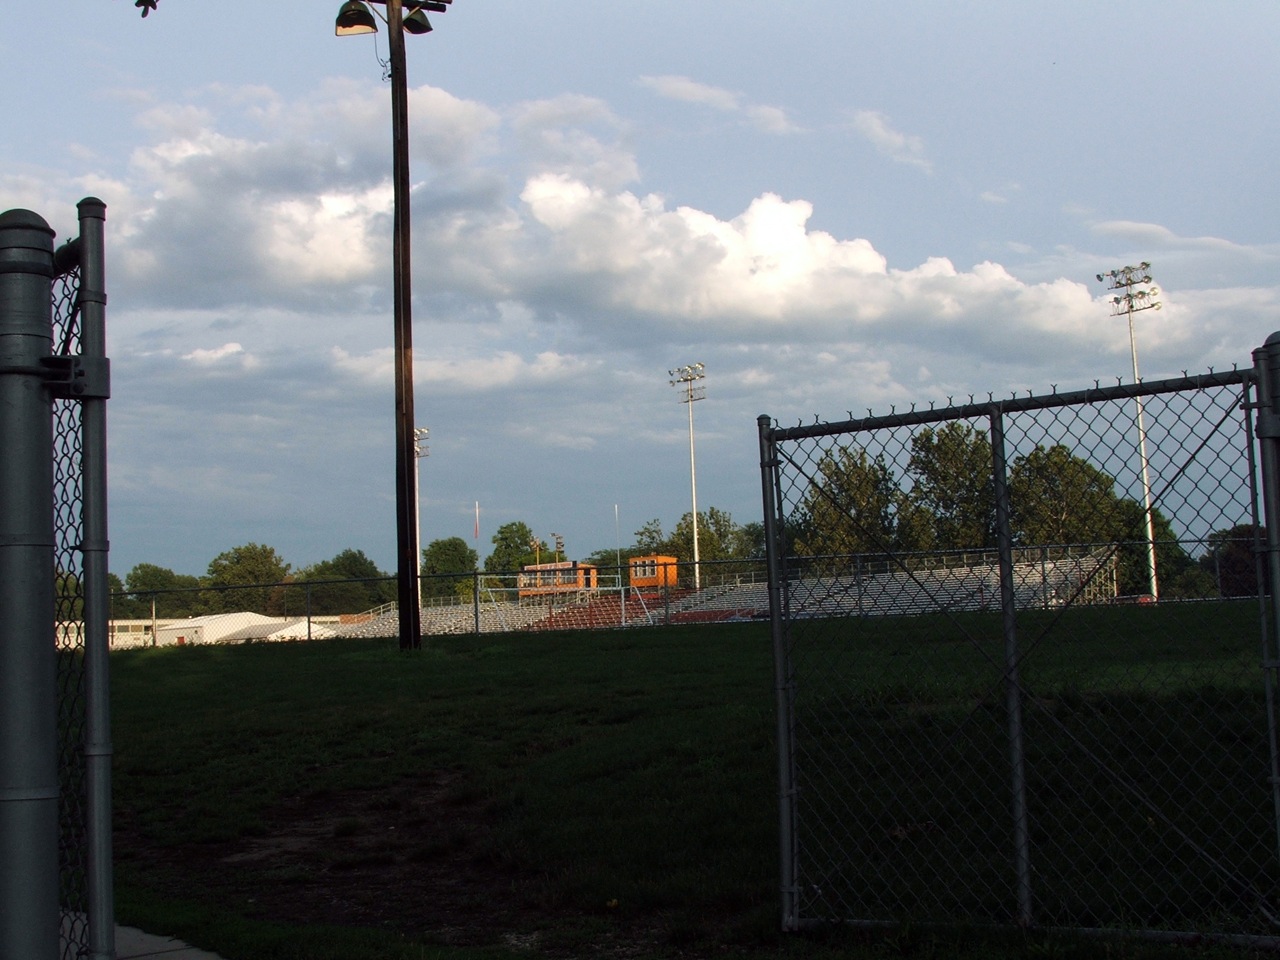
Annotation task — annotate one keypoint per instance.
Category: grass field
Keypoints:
(1146, 761)
(603, 794)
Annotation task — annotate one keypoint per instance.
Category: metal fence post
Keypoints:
(1267, 365)
(29, 911)
(94, 548)
(1013, 687)
(783, 681)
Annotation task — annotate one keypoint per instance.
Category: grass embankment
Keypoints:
(586, 794)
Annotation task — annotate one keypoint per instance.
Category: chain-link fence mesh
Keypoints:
(70, 638)
(1010, 692)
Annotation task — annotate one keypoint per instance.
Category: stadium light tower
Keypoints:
(688, 378)
(355, 17)
(1133, 296)
(420, 451)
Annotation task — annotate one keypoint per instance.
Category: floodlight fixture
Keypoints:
(354, 18)
(417, 23)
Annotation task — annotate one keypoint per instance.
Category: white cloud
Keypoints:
(577, 136)
(327, 238)
(764, 118)
(899, 147)
(207, 358)
(691, 91)
(503, 370)
(771, 120)
(1157, 237)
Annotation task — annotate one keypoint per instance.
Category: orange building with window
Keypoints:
(653, 572)
(567, 576)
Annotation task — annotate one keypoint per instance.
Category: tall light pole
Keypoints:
(420, 450)
(688, 377)
(355, 17)
(1133, 297)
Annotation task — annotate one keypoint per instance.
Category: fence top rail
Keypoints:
(1013, 404)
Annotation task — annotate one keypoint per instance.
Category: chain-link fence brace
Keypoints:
(1005, 697)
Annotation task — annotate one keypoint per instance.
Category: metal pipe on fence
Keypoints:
(29, 911)
(1267, 365)
(1012, 685)
(783, 682)
(94, 548)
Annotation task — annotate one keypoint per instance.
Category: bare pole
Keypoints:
(420, 451)
(98, 748)
(688, 376)
(406, 531)
(1133, 300)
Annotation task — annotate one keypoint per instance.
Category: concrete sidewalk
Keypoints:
(132, 944)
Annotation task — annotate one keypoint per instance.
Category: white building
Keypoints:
(239, 628)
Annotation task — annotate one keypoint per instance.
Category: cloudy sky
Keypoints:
(835, 205)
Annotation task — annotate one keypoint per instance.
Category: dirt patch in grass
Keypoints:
(418, 858)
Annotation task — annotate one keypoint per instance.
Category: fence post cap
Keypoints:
(19, 219)
(26, 243)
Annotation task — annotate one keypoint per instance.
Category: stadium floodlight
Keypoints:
(1134, 296)
(688, 377)
(354, 18)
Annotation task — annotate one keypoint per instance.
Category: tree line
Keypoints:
(856, 504)
(255, 576)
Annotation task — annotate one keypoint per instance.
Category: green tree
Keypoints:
(174, 594)
(124, 605)
(447, 566)
(362, 585)
(1177, 574)
(1058, 498)
(854, 505)
(253, 564)
(952, 473)
(650, 539)
(749, 542)
(717, 536)
(513, 549)
(1231, 562)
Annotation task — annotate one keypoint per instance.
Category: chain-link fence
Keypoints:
(81, 607)
(68, 497)
(1017, 645)
(451, 604)
(55, 748)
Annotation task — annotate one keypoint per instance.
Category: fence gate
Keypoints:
(55, 753)
(1025, 661)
